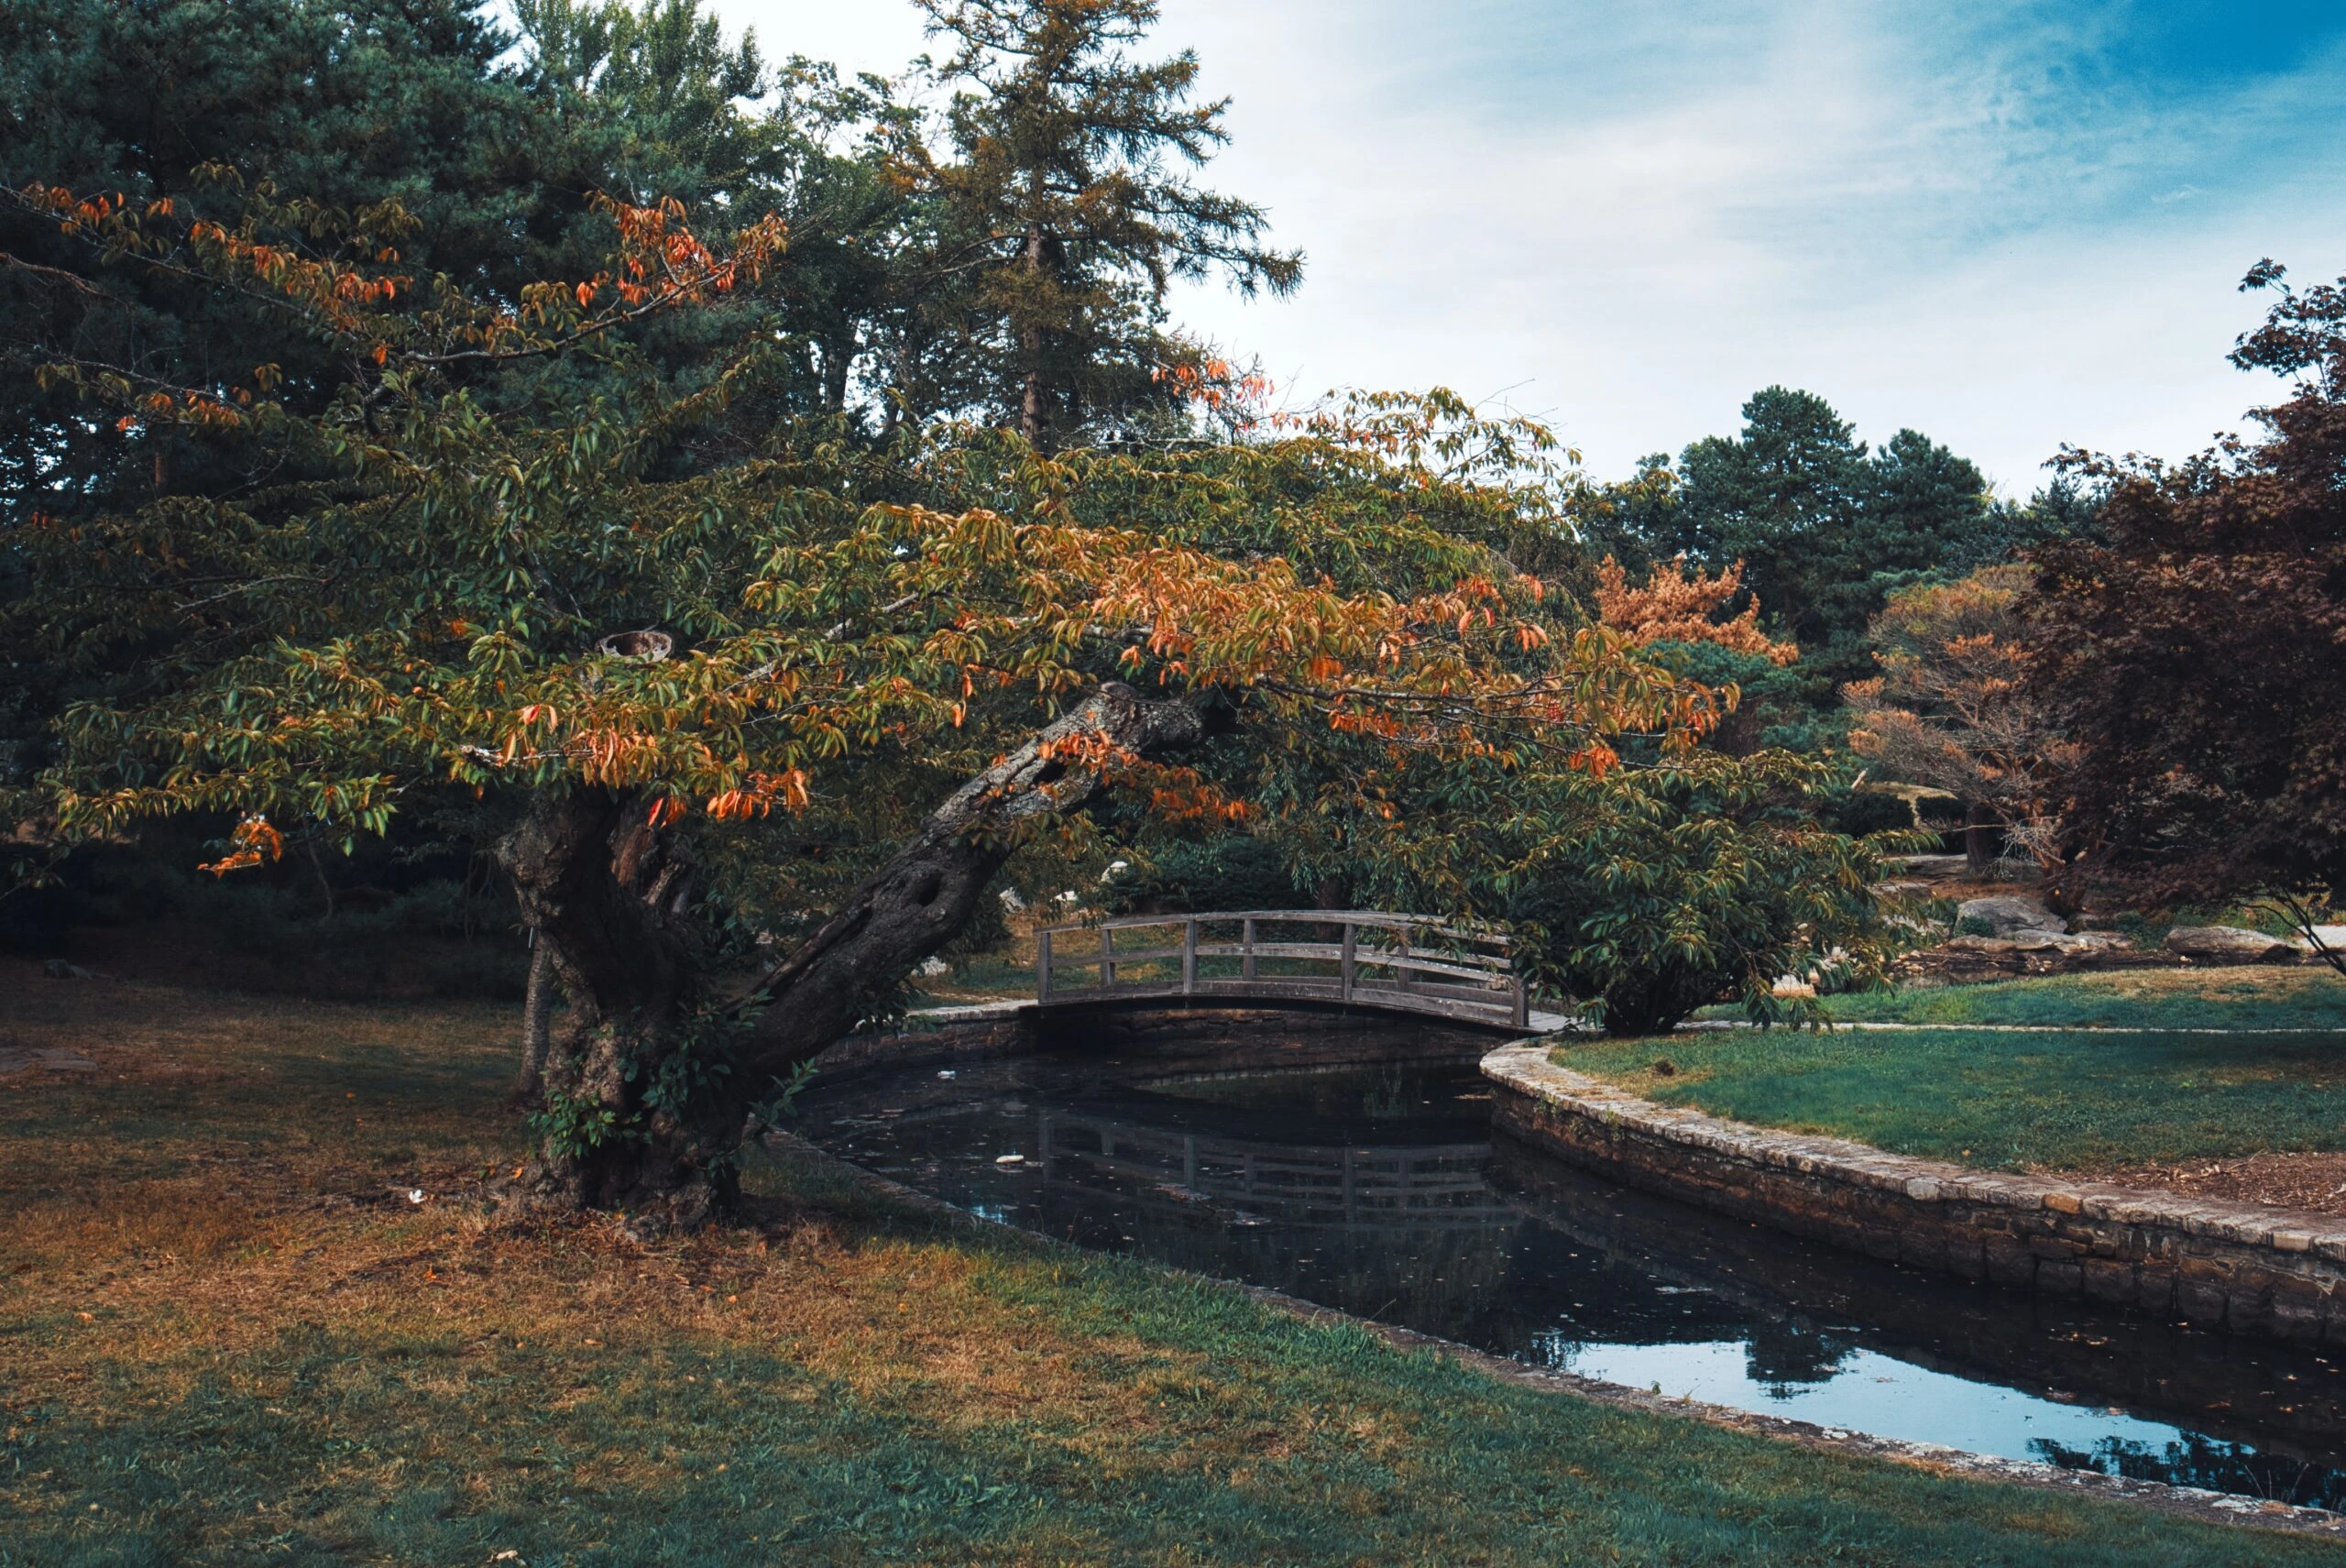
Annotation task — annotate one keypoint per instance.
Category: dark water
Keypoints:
(1381, 1191)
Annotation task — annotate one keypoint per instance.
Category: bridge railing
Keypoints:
(1416, 963)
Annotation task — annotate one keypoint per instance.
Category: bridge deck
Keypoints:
(1400, 963)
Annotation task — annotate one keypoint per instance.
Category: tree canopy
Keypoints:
(2189, 644)
(1956, 708)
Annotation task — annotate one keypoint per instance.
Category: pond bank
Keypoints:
(2178, 1502)
(2250, 1268)
(1153, 1148)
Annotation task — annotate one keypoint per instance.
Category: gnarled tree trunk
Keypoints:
(643, 1110)
(620, 1127)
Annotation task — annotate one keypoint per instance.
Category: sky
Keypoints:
(2009, 224)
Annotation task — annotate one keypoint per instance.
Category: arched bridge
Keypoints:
(1355, 958)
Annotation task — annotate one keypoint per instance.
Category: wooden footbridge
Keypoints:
(1354, 958)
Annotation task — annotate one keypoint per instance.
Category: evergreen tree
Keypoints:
(1826, 531)
(1069, 212)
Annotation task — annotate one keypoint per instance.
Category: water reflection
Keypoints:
(1379, 1190)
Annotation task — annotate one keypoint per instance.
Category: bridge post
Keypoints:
(1523, 1002)
(1042, 967)
(1246, 945)
(1190, 955)
(1344, 978)
(1107, 956)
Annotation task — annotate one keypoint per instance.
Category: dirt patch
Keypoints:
(2314, 1182)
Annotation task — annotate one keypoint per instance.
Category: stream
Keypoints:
(1381, 1191)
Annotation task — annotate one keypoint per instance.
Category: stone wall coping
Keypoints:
(1524, 1066)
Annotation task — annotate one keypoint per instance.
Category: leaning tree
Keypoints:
(770, 715)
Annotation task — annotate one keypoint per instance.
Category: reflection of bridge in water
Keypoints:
(1416, 1186)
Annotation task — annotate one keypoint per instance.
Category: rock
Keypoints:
(2229, 945)
(2041, 942)
(58, 968)
(932, 968)
(2011, 915)
(1932, 868)
(2333, 936)
(1999, 943)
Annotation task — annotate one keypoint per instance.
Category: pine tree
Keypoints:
(1070, 213)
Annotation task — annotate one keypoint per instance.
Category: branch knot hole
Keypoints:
(649, 646)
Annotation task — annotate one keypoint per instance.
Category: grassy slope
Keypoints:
(2004, 1100)
(2128, 999)
(2048, 1099)
(222, 1337)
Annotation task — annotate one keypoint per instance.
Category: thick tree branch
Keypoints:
(921, 898)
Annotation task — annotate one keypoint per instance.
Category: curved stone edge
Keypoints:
(2186, 1502)
(2273, 1271)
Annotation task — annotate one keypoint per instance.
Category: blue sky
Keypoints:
(2010, 225)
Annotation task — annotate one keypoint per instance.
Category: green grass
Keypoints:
(207, 1357)
(2124, 999)
(2056, 1100)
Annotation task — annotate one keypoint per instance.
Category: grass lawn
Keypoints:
(2256, 998)
(2056, 1100)
(226, 1334)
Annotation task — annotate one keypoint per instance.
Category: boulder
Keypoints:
(2027, 941)
(2229, 945)
(1932, 868)
(2333, 936)
(2011, 915)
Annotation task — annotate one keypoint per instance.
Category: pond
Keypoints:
(1382, 1191)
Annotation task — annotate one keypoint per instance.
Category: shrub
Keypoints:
(1703, 879)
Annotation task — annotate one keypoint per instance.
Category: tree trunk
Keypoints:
(1976, 830)
(647, 1087)
(537, 1026)
(621, 1124)
(1032, 414)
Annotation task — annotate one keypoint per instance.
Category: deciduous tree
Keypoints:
(2191, 645)
(1955, 708)
(1679, 604)
(771, 723)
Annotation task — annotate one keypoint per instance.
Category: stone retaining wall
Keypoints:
(2270, 1271)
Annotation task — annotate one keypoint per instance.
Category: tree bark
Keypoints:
(620, 1124)
(1032, 414)
(645, 1098)
(537, 1026)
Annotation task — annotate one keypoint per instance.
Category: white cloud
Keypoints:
(1950, 217)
